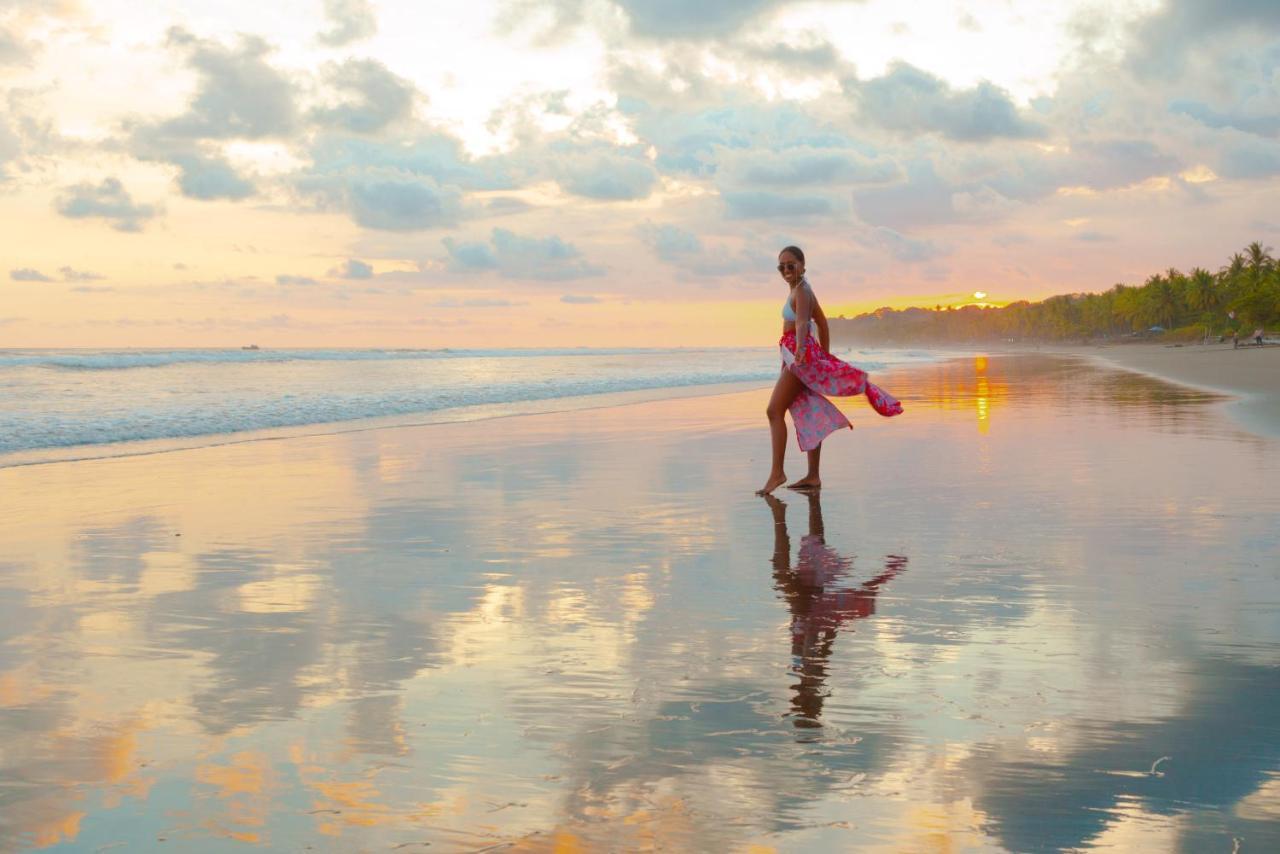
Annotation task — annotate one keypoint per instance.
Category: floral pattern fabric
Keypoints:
(815, 417)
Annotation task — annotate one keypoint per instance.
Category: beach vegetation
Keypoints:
(1170, 305)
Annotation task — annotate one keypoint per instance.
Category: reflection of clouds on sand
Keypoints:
(524, 631)
(1221, 750)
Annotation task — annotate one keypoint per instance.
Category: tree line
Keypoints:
(1242, 295)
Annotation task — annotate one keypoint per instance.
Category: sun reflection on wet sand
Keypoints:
(582, 634)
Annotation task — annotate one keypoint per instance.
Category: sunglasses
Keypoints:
(787, 265)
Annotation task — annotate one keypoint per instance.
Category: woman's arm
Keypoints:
(804, 313)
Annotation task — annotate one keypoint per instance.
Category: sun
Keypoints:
(979, 294)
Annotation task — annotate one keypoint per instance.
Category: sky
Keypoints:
(491, 173)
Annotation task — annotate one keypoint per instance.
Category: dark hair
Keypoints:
(794, 250)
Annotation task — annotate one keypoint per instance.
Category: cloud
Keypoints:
(606, 175)
(350, 21)
(286, 279)
(684, 249)
(1103, 164)
(753, 204)
(670, 242)
(994, 183)
(922, 199)
(1248, 158)
(353, 269)
(515, 257)
(380, 97)
(1265, 123)
(203, 172)
(1092, 237)
(816, 58)
(474, 302)
(12, 50)
(904, 248)
(70, 275)
(207, 177)
(679, 19)
(470, 256)
(1160, 42)
(404, 185)
(108, 200)
(396, 202)
(238, 96)
(650, 19)
(806, 165)
(576, 299)
(26, 274)
(909, 100)
(10, 146)
(502, 205)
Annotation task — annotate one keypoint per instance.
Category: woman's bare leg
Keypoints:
(784, 392)
(812, 480)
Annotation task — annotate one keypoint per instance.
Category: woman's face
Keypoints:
(791, 268)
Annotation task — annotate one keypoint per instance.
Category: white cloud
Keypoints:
(350, 21)
(240, 96)
(605, 175)
(379, 97)
(353, 268)
(72, 275)
(513, 256)
(904, 248)
(107, 200)
(912, 101)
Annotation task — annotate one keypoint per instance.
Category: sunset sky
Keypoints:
(591, 172)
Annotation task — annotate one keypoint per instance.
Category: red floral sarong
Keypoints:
(815, 417)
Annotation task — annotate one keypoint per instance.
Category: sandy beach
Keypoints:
(1250, 373)
(1036, 612)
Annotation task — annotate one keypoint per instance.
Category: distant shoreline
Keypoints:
(1250, 374)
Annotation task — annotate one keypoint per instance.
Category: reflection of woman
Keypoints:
(821, 599)
(809, 371)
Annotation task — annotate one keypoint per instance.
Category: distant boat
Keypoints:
(251, 347)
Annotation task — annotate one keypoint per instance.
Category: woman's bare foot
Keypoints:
(806, 483)
(774, 481)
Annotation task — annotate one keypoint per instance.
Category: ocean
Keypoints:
(61, 404)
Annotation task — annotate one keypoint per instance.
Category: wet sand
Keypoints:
(1037, 612)
(1249, 373)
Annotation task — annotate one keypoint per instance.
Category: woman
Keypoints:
(808, 372)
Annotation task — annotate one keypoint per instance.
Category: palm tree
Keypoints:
(1233, 269)
(1161, 299)
(1260, 260)
(1202, 291)
(1128, 305)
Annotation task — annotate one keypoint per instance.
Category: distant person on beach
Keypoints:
(1257, 336)
(809, 371)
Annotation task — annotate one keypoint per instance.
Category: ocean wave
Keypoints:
(98, 398)
(115, 360)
